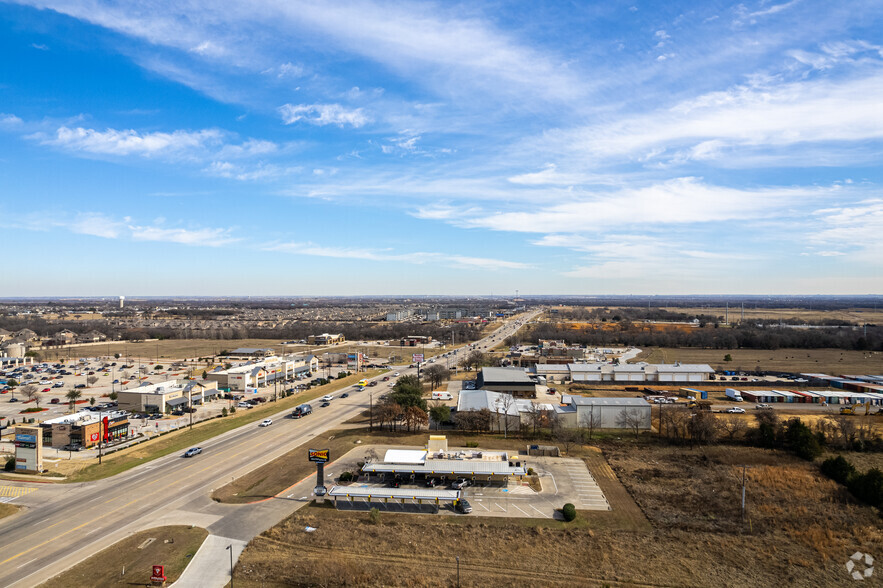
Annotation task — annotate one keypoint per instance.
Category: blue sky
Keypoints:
(279, 147)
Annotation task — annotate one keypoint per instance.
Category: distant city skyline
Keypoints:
(382, 148)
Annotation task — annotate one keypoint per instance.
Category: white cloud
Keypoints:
(96, 225)
(40, 46)
(9, 120)
(323, 114)
(250, 172)
(131, 142)
(855, 228)
(200, 237)
(419, 257)
(774, 116)
(680, 201)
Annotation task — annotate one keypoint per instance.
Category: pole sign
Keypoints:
(106, 424)
(319, 455)
(158, 573)
(417, 358)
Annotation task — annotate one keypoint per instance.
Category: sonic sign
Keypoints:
(319, 455)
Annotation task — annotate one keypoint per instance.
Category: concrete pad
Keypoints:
(210, 567)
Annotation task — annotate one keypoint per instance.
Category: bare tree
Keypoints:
(732, 426)
(415, 417)
(387, 412)
(630, 418)
(703, 427)
(30, 392)
(566, 437)
(91, 380)
(501, 406)
(590, 421)
(436, 374)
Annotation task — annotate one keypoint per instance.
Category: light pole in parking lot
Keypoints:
(458, 571)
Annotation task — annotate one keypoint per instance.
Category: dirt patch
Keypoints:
(7, 510)
(172, 547)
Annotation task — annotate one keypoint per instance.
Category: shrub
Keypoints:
(569, 512)
(346, 477)
(800, 439)
(224, 412)
(472, 444)
(868, 487)
(9, 465)
(531, 472)
(374, 516)
(838, 469)
(232, 409)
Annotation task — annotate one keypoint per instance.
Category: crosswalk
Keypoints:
(10, 493)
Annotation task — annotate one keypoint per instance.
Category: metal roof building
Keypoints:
(605, 413)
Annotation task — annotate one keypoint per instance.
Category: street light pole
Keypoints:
(371, 411)
(230, 547)
(458, 571)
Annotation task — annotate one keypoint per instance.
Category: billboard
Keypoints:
(319, 455)
(158, 573)
(25, 438)
(417, 358)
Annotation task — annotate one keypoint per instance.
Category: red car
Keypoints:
(47, 389)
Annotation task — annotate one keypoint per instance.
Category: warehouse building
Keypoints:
(246, 353)
(603, 413)
(514, 381)
(633, 372)
(503, 407)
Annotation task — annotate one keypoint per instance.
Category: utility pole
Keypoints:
(230, 547)
(744, 469)
(371, 411)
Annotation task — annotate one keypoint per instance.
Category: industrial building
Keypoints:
(504, 410)
(515, 381)
(628, 372)
(813, 396)
(603, 413)
(167, 396)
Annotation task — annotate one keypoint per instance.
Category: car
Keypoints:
(245, 405)
(266, 423)
(372, 383)
(736, 410)
(46, 390)
(324, 404)
(13, 400)
(58, 385)
(54, 401)
(80, 386)
(396, 375)
(72, 447)
(459, 484)
(192, 451)
(327, 398)
(155, 417)
(386, 378)
(347, 394)
(763, 407)
(432, 482)
(395, 482)
(178, 412)
(463, 506)
(116, 381)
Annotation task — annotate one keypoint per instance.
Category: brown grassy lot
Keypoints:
(858, 316)
(801, 528)
(7, 510)
(830, 361)
(168, 348)
(104, 568)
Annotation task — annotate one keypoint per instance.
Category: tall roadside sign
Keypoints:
(29, 449)
(320, 457)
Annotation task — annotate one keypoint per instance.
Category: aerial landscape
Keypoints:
(425, 294)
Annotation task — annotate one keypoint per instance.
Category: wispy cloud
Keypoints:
(419, 257)
(131, 142)
(324, 114)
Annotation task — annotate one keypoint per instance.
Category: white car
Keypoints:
(736, 410)
(396, 374)
(327, 398)
(266, 423)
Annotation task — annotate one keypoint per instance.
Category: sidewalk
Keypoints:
(211, 564)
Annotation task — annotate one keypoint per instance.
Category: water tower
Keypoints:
(122, 298)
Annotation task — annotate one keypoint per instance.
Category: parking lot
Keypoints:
(562, 480)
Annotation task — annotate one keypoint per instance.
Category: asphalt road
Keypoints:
(66, 523)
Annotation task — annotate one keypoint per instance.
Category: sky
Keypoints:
(280, 147)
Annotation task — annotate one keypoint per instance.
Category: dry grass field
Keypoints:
(7, 510)
(172, 547)
(830, 361)
(800, 530)
(167, 349)
(858, 316)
